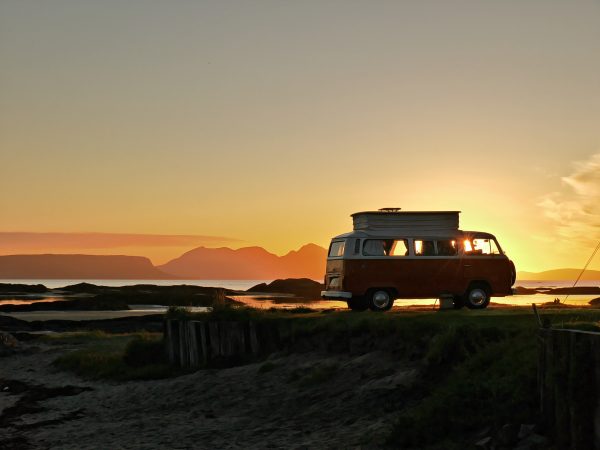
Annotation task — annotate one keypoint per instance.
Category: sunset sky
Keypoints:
(160, 126)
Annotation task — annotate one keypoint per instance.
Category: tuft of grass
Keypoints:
(226, 312)
(118, 357)
(178, 312)
(473, 377)
(301, 310)
(267, 367)
(81, 337)
(314, 375)
(145, 350)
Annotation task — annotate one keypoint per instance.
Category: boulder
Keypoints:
(8, 344)
(299, 287)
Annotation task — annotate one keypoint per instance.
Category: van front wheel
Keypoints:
(380, 300)
(477, 296)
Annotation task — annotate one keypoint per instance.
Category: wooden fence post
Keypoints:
(193, 344)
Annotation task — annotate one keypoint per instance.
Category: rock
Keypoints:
(8, 344)
(525, 431)
(486, 443)
(509, 434)
(299, 287)
(533, 442)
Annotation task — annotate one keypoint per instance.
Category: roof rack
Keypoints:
(389, 209)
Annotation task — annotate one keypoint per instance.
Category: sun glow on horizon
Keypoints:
(271, 126)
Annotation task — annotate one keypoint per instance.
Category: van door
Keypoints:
(483, 261)
(449, 279)
(436, 267)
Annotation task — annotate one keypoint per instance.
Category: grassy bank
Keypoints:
(477, 370)
(120, 357)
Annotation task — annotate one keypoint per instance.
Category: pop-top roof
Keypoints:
(406, 222)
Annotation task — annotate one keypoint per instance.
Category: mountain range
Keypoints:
(560, 275)
(201, 263)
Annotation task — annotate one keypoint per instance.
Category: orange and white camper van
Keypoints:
(394, 254)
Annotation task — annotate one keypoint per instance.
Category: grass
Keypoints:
(119, 357)
(318, 374)
(478, 368)
(474, 376)
(267, 367)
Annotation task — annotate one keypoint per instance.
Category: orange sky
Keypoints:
(270, 123)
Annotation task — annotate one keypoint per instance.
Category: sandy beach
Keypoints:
(240, 407)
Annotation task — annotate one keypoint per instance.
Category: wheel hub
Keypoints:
(477, 296)
(381, 299)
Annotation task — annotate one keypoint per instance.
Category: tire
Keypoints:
(477, 296)
(380, 300)
(358, 304)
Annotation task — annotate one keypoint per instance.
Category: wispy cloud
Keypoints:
(576, 208)
(26, 241)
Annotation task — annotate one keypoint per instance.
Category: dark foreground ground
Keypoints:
(406, 379)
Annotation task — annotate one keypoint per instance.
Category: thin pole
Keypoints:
(584, 268)
(537, 314)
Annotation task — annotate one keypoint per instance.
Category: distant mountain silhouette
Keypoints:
(248, 263)
(559, 275)
(78, 267)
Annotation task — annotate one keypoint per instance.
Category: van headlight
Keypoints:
(334, 282)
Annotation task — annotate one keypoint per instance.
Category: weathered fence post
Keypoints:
(184, 353)
(173, 342)
(253, 338)
(194, 357)
(214, 339)
(191, 343)
(569, 377)
(204, 341)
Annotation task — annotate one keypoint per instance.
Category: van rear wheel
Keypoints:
(477, 296)
(380, 300)
(357, 304)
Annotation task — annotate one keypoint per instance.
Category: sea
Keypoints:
(256, 301)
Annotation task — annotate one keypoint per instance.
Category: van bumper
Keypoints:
(336, 294)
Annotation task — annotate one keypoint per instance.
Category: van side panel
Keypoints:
(435, 276)
(494, 270)
(417, 277)
(364, 274)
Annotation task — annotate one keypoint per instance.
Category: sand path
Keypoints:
(307, 400)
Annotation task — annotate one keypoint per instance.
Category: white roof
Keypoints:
(406, 223)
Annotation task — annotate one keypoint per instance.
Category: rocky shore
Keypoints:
(90, 297)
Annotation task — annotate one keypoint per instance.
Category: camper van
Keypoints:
(394, 254)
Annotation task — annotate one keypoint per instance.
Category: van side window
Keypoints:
(447, 247)
(385, 247)
(337, 248)
(399, 248)
(424, 248)
(356, 246)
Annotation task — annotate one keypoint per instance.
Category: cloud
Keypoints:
(26, 241)
(575, 209)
